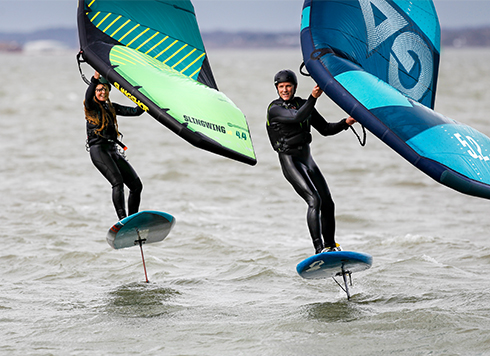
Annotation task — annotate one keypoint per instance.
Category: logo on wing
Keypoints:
(409, 52)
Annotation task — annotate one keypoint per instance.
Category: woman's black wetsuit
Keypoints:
(106, 158)
(289, 125)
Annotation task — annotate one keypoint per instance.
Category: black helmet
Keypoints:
(104, 81)
(284, 76)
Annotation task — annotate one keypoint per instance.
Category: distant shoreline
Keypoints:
(68, 38)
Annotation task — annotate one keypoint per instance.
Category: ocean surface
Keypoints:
(224, 282)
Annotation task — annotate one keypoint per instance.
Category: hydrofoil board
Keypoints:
(143, 227)
(332, 264)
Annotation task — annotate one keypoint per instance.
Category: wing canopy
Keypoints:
(152, 51)
(378, 60)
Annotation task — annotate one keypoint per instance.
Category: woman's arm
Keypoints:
(90, 93)
(127, 110)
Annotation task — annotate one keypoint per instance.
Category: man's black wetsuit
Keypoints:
(105, 156)
(289, 125)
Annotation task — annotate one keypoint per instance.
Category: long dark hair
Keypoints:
(93, 117)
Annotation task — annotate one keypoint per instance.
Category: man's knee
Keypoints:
(314, 201)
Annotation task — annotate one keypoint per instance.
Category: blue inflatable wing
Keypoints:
(379, 60)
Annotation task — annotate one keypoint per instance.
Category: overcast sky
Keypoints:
(232, 15)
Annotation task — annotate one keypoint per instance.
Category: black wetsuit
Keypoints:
(289, 126)
(105, 156)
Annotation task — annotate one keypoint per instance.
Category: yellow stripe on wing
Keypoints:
(120, 27)
(102, 21)
(155, 46)
(112, 23)
(134, 39)
(192, 63)
(183, 58)
(159, 54)
(127, 33)
(175, 53)
(148, 40)
(130, 56)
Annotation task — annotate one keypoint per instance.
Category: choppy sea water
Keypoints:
(224, 281)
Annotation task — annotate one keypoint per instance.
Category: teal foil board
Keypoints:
(331, 264)
(149, 226)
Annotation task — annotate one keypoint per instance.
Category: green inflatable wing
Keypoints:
(152, 51)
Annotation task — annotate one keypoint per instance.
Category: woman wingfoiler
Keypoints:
(102, 138)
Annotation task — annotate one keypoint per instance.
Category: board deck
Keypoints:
(331, 264)
(149, 226)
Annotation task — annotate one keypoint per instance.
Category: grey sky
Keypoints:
(252, 15)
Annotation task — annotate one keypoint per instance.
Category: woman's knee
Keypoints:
(118, 187)
(136, 186)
